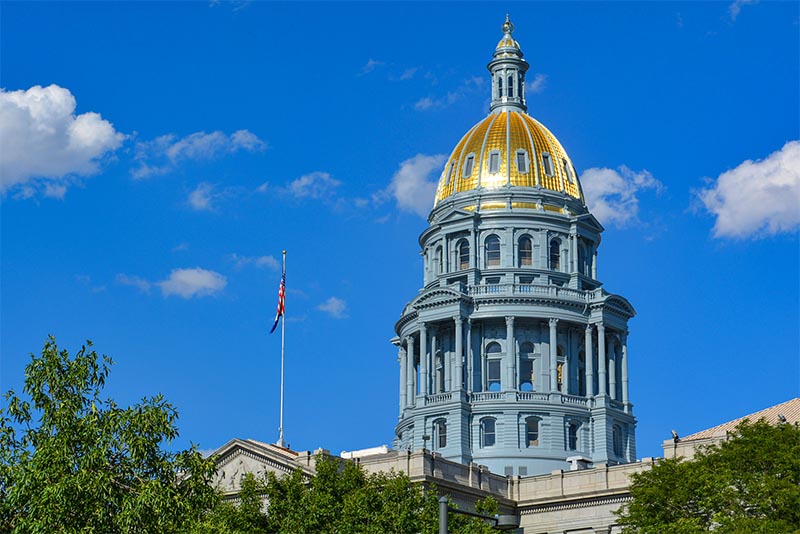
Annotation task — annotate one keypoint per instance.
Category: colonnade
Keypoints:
(418, 371)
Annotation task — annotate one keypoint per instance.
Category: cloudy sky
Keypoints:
(157, 157)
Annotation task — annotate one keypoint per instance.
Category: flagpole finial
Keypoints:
(284, 252)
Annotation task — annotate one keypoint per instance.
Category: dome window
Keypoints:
(525, 252)
(493, 251)
(463, 254)
(522, 161)
(500, 86)
(450, 171)
(469, 164)
(510, 87)
(568, 171)
(494, 162)
(547, 161)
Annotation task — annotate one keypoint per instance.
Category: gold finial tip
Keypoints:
(284, 252)
(508, 27)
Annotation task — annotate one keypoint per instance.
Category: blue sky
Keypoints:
(157, 157)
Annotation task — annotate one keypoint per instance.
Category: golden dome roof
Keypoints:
(508, 148)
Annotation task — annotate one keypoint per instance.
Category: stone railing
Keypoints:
(616, 404)
(483, 396)
(439, 398)
(574, 399)
(532, 396)
(534, 289)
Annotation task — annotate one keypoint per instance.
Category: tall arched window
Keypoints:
(439, 434)
(560, 368)
(617, 440)
(500, 86)
(493, 361)
(555, 254)
(439, 266)
(526, 376)
(493, 251)
(525, 252)
(582, 264)
(488, 436)
(572, 437)
(511, 87)
(531, 431)
(463, 254)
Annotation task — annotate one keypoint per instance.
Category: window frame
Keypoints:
(555, 246)
(492, 261)
(522, 239)
(525, 160)
(469, 163)
(532, 420)
(485, 433)
(494, 157)
(463, 251)
(547, 163)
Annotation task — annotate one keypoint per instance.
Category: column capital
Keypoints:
(589, 328)
(409, 340)
(509, 320)
(601, 327)
(422, 325)
(553, 322)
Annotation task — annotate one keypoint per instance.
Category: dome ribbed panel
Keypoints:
(447, 180)
(495, 140)
(547, 142)
(519, 138)
(473, 146)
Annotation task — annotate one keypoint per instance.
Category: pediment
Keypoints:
(238, 457)
(439, 295)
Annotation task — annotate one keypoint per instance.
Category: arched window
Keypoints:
(555, 254)
(531, 431)
(493, 251)
(463, 254)
(488, 436)
(439, 434)
(522, 161)
(572, 437)
(525, 252)
(511, 87)
(526, 376)
(438, 261)
(493, 361)
(500, 86)
(617, 440)
(547, 162)
(582, 264)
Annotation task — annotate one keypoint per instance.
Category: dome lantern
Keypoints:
(508, 73)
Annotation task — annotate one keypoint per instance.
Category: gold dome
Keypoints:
(508, 148)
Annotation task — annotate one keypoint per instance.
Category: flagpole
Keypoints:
(281, 441)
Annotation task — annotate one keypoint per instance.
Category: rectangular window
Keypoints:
(468, 165)
(450, 171)
(494, 162)
(487, 432)
(526, 372)
(493, 375)
(572, 437)
(548, 164)
(522, 161)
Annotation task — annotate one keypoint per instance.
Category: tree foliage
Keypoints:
(71, 461)
(340, 498)
(747, 484)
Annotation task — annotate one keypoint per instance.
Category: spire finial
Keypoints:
(508, 27)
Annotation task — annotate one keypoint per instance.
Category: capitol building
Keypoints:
(512, 357)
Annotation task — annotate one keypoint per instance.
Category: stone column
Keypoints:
(601, 359)
(589, 361)
(410, 370)
(510, 358)
(424, 361)
(565, 373)
(612, 368)
(457, 379)
(401, 357)
(470, 357)
(624, 370)
(544, 368)
(553, 354)
(594, 264)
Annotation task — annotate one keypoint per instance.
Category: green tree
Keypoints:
(340, 498)
(73, 462)
(748, 484)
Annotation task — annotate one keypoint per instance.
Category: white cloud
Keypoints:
(201, 197)
(538, 83)
(411, 186)
(468, 86)
(139, 283)
(162, 154)
(611, 194)
(188, 283)
(45, 143)
(335, 307)
(424, 103)
(256, 261)
(371, 65)
(317, 184)
(757, 198)
(409, 73)
(734, 8)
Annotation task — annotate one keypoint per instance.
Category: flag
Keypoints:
(281, 300)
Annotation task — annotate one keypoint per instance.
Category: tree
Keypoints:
(747, 484)
(71, 461)
(340, 498)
